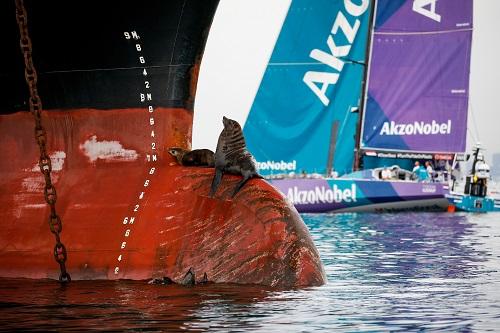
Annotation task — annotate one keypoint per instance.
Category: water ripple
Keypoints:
(391, 272)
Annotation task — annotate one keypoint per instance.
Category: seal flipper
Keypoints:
(189, 279)
(216, 181)
(204, 280)
(240, 185)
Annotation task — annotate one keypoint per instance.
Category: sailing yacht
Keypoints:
(356, 90)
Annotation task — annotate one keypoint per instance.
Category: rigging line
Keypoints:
(345, 60)
(177, 31)
(294, 63)
(342, 127)
(114, 69)
(402, 33)
(471, 134)
(474, 122)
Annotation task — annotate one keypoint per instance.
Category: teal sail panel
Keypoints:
(303, 117)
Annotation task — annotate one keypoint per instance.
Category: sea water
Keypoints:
(386, 272)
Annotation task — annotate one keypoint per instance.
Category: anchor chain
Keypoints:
(45, 164)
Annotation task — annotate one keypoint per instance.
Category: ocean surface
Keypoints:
(386, 272)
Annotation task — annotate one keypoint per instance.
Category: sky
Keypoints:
(241, 41)
(484, 102)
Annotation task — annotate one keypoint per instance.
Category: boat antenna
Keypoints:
(357, 141)
(45, 164)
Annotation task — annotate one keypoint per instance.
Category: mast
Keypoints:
(357, 148)
(474, 162)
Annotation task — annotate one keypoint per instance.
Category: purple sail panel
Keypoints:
(418, 83)
(421, 16)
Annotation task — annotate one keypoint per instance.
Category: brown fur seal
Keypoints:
(197, 157)
(232, 156)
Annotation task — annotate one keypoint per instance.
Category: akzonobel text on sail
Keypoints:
(415, 128)
(344, 25)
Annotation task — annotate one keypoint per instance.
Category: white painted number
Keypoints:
(145, 97)
(152, 158)
(135, 35)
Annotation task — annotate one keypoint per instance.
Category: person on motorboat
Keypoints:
(386, 174)
(430, 170)
(416, 167)
(420, 172)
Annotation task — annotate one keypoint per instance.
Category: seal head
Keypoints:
(197, 157)
(232, 156)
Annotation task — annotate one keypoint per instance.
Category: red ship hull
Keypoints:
(116, 94)
(129, 215)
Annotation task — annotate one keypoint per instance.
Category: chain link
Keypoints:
(44, 163)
